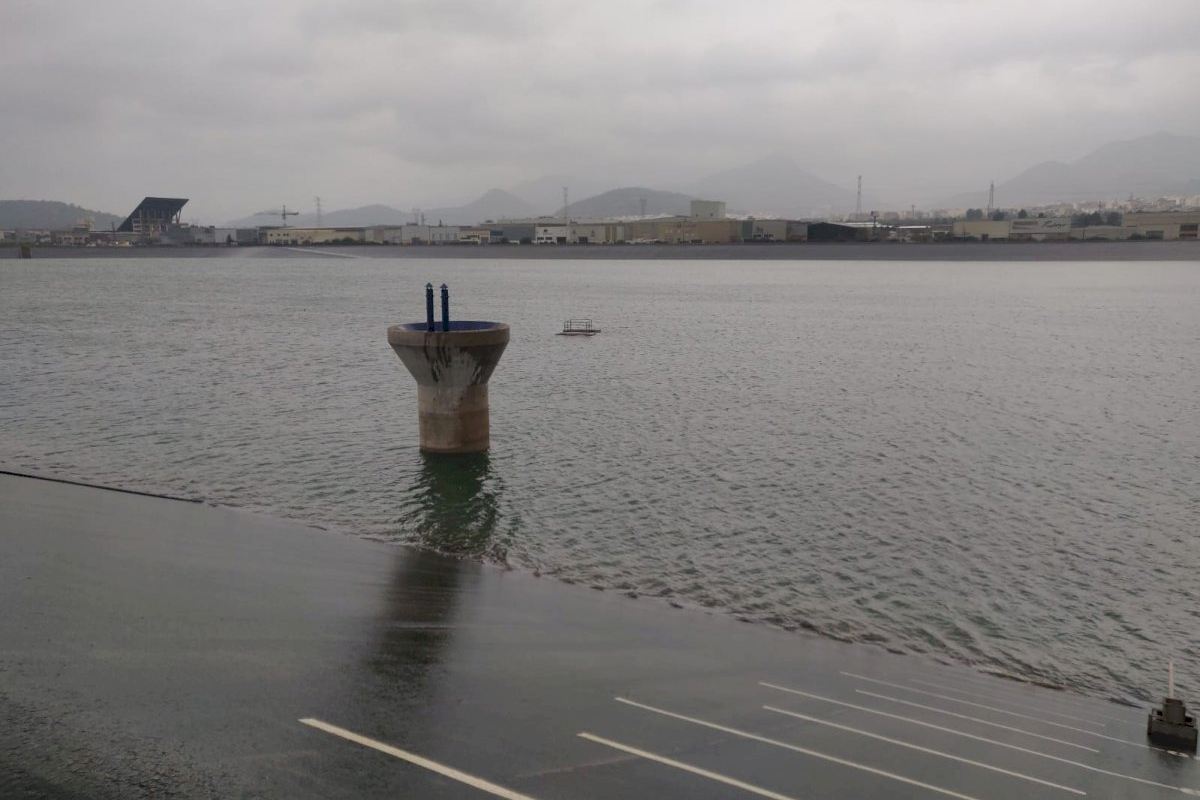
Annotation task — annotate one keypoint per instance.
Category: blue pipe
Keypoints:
(445, 308)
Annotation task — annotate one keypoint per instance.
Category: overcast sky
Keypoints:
(245, 105)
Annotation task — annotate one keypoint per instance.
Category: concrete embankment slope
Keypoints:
(155, 648)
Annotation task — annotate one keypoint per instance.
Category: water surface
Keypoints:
(990, 462)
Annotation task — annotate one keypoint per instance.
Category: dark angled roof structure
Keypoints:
(153, 213)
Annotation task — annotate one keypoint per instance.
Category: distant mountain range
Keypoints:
(627, 202)
(51, 215)
(1149, 167)
(777, 186)
(494, 204)
(544, 194)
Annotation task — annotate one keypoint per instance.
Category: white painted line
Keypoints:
(922, 723)
(1015, 691)
(1142, 745)
(974, 677)
(956, 715)
(412, 758)
(796, 748)
(1011, 690)
(1080, 764)
(1006, 701)
(311, 251)
(929, 750)
(992, 680)
(976, 705)
(670, 762)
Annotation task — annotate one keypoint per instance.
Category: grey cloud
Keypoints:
(243, 106)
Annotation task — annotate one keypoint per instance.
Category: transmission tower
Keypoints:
(858, 199)
(566, 207)
(991, 197)
(318, 201)
(642, 201)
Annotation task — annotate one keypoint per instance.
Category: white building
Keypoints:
(597, 233)
(1040, 229)
(443, 234)
(551, 234)
(475, 234)
(708, 209)
(403, 234)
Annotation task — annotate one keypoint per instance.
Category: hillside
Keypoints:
(544, 194)
(776, 185)
(375, 214)
(627, 202)
(50, 214)
(494, 204)
(1146, 167)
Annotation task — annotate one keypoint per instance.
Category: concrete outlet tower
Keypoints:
(452, 362)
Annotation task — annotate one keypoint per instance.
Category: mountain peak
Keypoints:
(627, 202)
(775, 185)
(1150, 166)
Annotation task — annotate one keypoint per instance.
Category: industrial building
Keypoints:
(597, 232)
(309, 236)
(476, 234)
(1165, 225)
(766, 230)
(156, 220)
(551, 234)
(1030, 229)
(1109, 233)
(1168, 225)
(153, 216)
(846, 232)
(1039, 229)
(707, 209)
(685, 230)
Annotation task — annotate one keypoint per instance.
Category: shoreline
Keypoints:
(156, 647)
(665, 604)
(781, 251)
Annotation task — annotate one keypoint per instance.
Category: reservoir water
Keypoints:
(995, 463)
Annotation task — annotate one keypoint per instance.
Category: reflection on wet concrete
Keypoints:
(455, 507)
(416, 621)
(454, 510)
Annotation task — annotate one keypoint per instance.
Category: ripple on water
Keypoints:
(989, 464)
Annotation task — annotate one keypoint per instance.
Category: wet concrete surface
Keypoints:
(157, 648)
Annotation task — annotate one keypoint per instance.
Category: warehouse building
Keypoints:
(848, 232)
(1168, 225)
(1039, 229)
(310, 236)
(765, 230)
(983, 230)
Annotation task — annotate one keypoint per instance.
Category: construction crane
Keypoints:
(282, 212)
